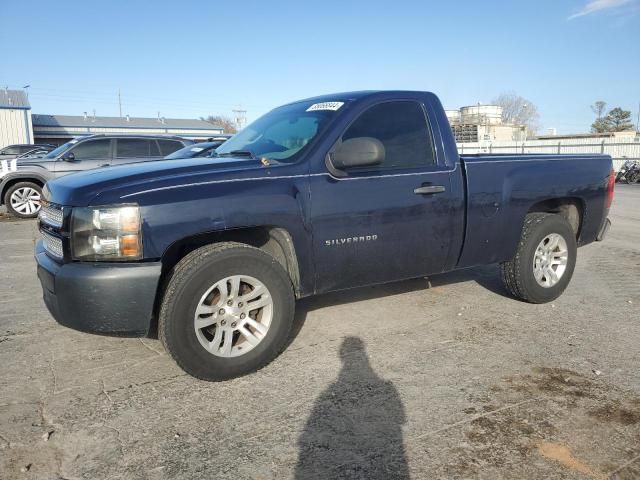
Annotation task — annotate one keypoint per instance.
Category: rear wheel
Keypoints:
(227, 311)
(23, 199)
(544, 262)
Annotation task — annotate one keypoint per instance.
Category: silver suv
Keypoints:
(22, 179)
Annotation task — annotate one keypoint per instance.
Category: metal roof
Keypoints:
(120, 122)
(13, 99)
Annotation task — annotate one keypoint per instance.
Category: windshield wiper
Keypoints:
(239, 153)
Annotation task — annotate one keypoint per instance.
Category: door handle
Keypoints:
(104, 165)
(429, 189)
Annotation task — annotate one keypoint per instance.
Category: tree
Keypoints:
(228, 124)
(599, 108)
(517, 110)
(617, 120)
(600, 126)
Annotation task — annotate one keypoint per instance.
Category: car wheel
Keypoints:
(227, 311)
(544, 262)
(23, 199)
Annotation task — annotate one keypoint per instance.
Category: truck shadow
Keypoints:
(487, 277)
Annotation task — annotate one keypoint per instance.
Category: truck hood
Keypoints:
(107, 185)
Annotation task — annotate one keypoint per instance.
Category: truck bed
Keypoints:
(502, 188)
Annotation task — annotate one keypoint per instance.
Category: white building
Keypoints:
(15, 118)
(478, 123)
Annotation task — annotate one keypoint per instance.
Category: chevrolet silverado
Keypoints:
(322, 194)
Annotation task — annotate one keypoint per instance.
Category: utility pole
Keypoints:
(240, 116)
(120, 103)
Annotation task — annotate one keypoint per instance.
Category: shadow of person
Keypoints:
(355, 428)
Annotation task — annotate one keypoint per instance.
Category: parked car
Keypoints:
(21, 179)
(13, 151)
(203, 149)
(323, 194)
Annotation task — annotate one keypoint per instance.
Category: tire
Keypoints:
(23, 199)
(519, 273)
(190, 288)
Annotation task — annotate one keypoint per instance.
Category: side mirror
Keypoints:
(69, 157)
(358, 152)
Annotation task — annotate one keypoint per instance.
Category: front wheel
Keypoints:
(544, 262)
(23, 199)
(227, 311)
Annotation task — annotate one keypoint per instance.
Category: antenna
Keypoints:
(120, 103)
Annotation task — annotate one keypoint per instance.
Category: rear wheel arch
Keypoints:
(570, 208)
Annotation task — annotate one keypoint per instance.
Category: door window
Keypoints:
(132, 148)
(169, 146)
(402, 128)
(93, 150)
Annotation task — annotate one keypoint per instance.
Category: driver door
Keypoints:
(389, 221)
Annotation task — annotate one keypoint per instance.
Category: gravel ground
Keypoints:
(447, 379)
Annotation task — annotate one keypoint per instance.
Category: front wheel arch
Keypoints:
(12, 180)
(273, 240)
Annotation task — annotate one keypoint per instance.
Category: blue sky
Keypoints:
(194, 58)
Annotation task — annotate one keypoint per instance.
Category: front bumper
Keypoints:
(604, 229)
(108, 299)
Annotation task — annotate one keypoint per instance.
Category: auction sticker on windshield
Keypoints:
(325, 106)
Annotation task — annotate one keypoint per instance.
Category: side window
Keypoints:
(11, 151)
(169, 146)
(402, 128)
(154, 150)
(132, 148)
(93, 150)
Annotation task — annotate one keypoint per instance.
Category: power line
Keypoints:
(240, 116)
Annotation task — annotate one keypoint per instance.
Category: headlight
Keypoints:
(106, 233)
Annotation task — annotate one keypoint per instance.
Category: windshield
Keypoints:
(283, 133)
(197, 150)
(61, 149)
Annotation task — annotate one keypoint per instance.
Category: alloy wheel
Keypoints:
(550, 260)
(25, 200)
(233, 316)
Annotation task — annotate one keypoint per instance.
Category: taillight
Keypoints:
(610, 186)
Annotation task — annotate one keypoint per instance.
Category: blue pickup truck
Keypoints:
(322, 194)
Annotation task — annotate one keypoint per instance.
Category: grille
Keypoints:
(52, 245)
(51, 215)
